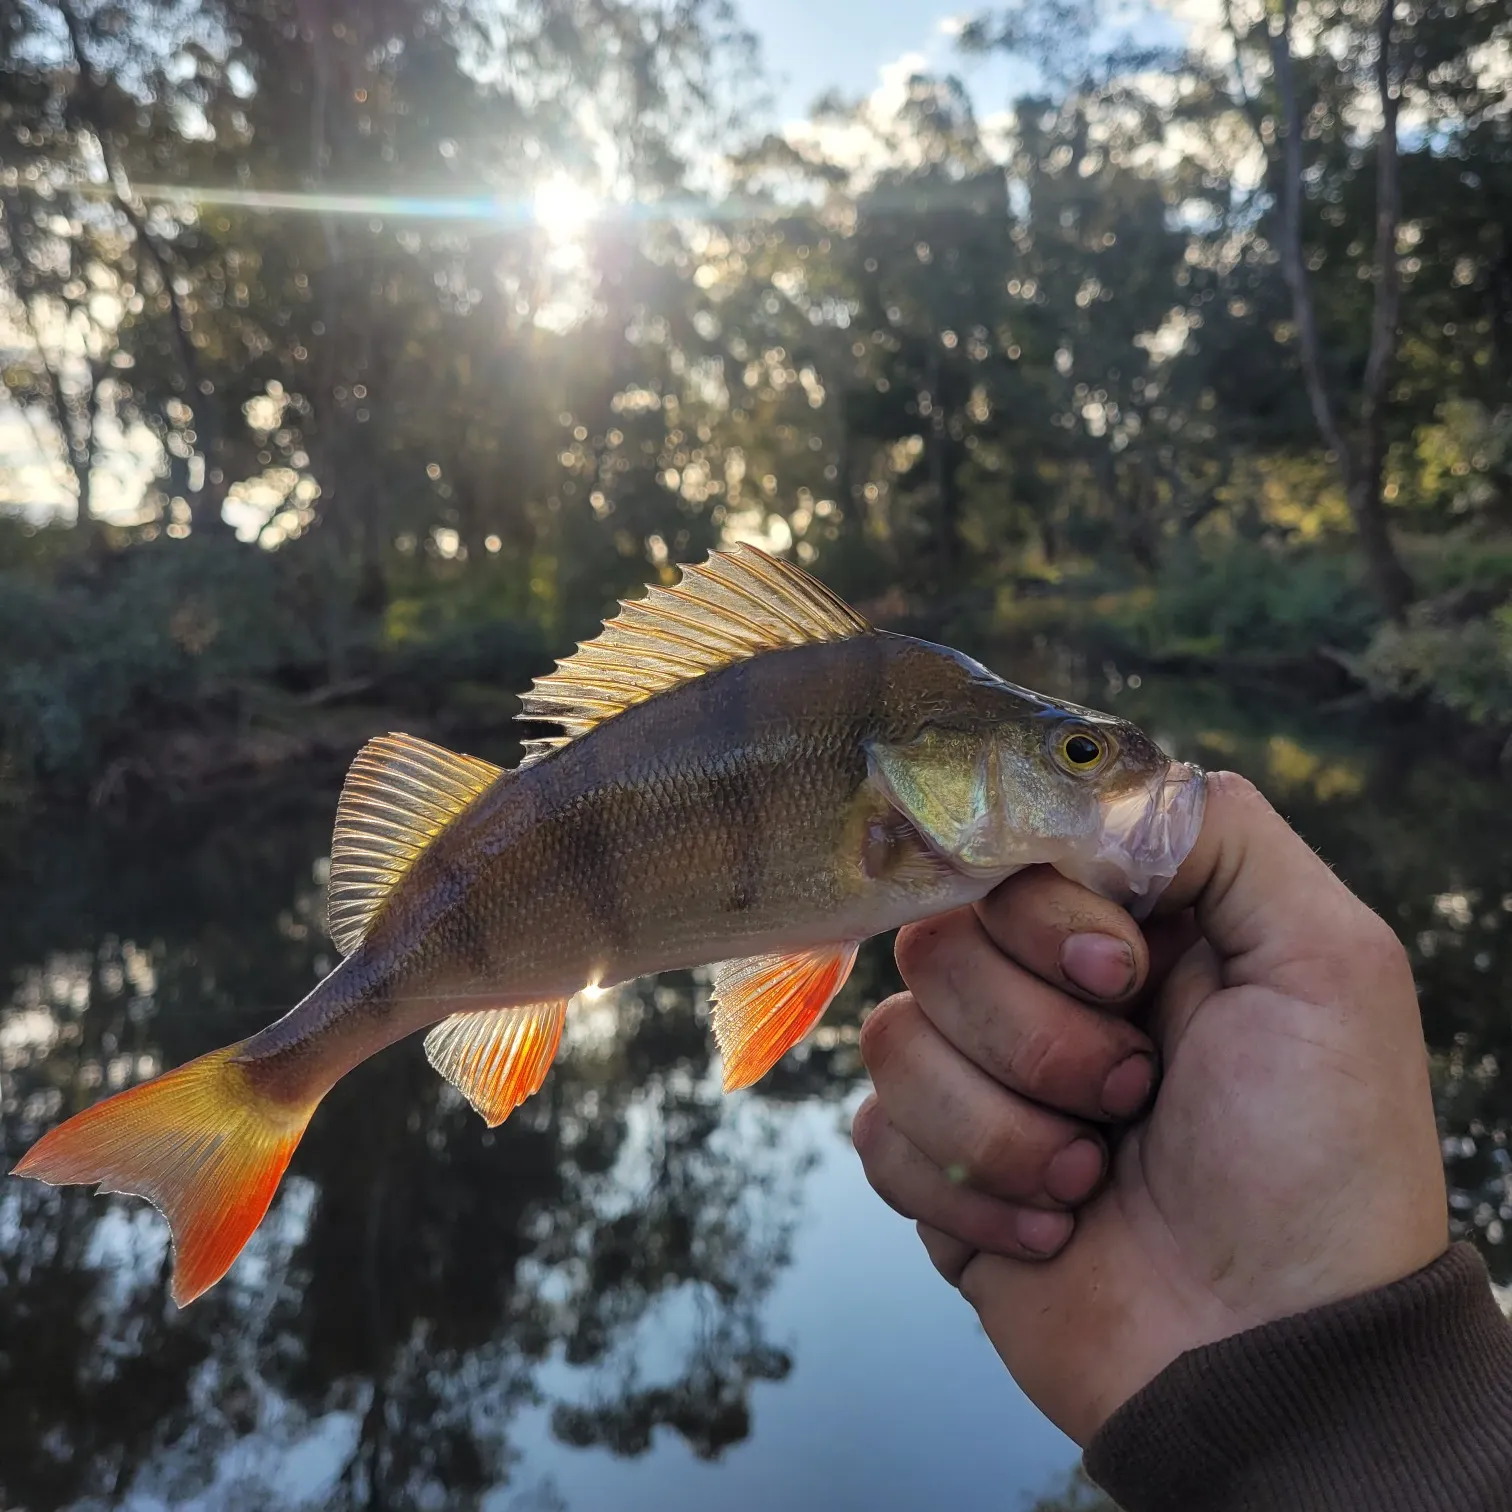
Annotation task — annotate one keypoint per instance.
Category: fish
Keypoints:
(746, 775)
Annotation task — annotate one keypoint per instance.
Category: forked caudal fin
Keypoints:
(200, 1143)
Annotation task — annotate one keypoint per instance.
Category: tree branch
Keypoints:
(1388, 290)
(57, 400)
(89, 117)
(1247, 101)
(1293, 266)
(77, 452)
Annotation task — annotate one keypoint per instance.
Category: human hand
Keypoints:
(1290, 1157)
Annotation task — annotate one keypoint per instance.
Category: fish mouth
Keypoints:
(1147, 834)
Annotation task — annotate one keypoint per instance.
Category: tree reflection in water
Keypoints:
(417, 1270)
(420, 1279)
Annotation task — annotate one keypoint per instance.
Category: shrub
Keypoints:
(1243, 596)
(1466, 667)
(153, 635)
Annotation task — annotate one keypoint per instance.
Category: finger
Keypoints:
(974, 1129)
(1021, 1031)
(1169, 941)
(1271, 908)
(1192, 981)
(913, 1185)
(948, 1256)
(1066, 934)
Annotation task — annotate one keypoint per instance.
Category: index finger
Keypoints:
(1067, 935)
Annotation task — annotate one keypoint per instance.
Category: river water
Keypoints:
(637, 1293)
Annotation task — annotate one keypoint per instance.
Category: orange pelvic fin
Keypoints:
(498, 1057)
(201, 1144)
(765, 1006)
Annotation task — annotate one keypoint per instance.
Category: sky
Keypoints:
(810, 46)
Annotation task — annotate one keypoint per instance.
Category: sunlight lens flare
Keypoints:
(560, 205)
(564, 208)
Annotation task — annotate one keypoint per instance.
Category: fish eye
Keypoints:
(1080, 751)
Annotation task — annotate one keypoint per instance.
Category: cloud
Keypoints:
(859, 142)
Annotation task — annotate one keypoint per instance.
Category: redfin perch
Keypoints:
(748, 774)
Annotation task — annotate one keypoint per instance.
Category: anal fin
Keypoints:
(767, 1004)
(497, 1057)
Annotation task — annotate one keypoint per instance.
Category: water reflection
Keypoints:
(422, 1285)
(392, 1312)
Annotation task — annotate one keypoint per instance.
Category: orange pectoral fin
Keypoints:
(497, 1057)
(201, 1144)
(764, 1006)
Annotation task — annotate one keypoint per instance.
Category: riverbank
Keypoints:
(1300, 620)
(175, 669)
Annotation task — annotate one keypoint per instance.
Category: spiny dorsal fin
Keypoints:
(399, 795)
(498, 1057)
(737, 604)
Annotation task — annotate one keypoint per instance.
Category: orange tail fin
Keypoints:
(199, 1143)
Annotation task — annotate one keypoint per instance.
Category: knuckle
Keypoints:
(1379, 950)
(998, 1158)
(868, 1128)
(1232, 788)
(885, 1178)
(886, 1029)
(974, 1284)
(1378, 939)
(1032, 1057)
(947, 1254)
(918, 946)
(1357, 962)
(1064, 1065)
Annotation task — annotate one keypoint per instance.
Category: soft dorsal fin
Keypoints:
(737, 604)
(399, 795)
(497, 1057)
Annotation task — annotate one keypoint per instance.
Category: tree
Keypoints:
(1361, 461)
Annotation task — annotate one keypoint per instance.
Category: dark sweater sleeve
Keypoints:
(1399, 1400)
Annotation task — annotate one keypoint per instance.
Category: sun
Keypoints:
(564, 208)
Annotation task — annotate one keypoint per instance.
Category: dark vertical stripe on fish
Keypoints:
(599, 864)
(744, 816)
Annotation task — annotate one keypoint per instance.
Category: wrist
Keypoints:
(1401, 1397)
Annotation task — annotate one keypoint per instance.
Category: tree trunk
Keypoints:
(1362, 468)
(1389, 580)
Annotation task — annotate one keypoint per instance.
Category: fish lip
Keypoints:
(1147, 835)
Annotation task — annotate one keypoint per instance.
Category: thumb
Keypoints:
(1268, 905)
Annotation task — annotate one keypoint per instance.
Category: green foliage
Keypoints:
(460, 641)
(1465, 667)
(1238, 597)
(161, 635)
(1465, 563)
(946, 362)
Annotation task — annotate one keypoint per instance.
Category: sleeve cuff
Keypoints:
(1399, 1400)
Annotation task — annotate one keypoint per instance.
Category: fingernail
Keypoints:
(1043, 1233)
(1128, 1086)
(1073, 1173)
(1100, 964)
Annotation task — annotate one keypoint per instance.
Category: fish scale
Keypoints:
(749, 777)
